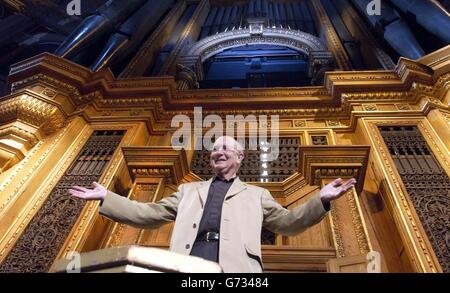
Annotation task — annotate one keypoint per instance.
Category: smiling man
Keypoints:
(219, 219)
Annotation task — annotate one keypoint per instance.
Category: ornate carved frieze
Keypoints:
(346, 212)
(40, 113)
(295, 39)
(160, 94)
(25, 119)
(159, 162)
(370, 107)
(161, 100)
(317, 163)
(299, 123)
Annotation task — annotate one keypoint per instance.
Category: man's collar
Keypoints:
(224, 180)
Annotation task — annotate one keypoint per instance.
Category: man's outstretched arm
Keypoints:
(291, 222)
(124, 210)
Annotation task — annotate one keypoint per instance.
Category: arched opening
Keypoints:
(256, 65)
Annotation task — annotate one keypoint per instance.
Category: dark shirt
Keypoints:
(210, 221)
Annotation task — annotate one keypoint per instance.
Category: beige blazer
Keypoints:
(245, 210)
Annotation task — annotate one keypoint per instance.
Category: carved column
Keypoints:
(322, 164)
(328, 32)
(145, 57)
(188, 37)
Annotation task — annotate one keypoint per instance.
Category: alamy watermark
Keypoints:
(373, 262)
(374, 7)
(256, 133)
(74, 8)
(74, 265)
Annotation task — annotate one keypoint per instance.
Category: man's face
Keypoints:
(225, 157)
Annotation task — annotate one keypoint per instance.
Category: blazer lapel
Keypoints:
(235, 188)
(203, 191)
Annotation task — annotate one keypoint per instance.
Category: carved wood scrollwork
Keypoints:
(44, 236)
(427, 184)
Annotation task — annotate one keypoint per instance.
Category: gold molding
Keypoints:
(354, 241)
(115, 237)
(412, 232)
(42, 114)
(160, 93)
(159, 162)
(317, 163)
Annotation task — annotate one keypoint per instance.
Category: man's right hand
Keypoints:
(98, 193)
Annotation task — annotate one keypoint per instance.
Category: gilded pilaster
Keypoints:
(188, 36)
(412, 233)
(333, 42)
(145, 57)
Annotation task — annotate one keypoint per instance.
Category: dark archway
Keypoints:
(258, 65)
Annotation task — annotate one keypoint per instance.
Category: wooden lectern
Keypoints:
(136, 259)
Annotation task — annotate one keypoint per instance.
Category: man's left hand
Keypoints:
(335, 190)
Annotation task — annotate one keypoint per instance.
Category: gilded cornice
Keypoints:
(331, 101)
(330, 162)
(42, 114)
(160, 162)
(438, 61)
(16, 131)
